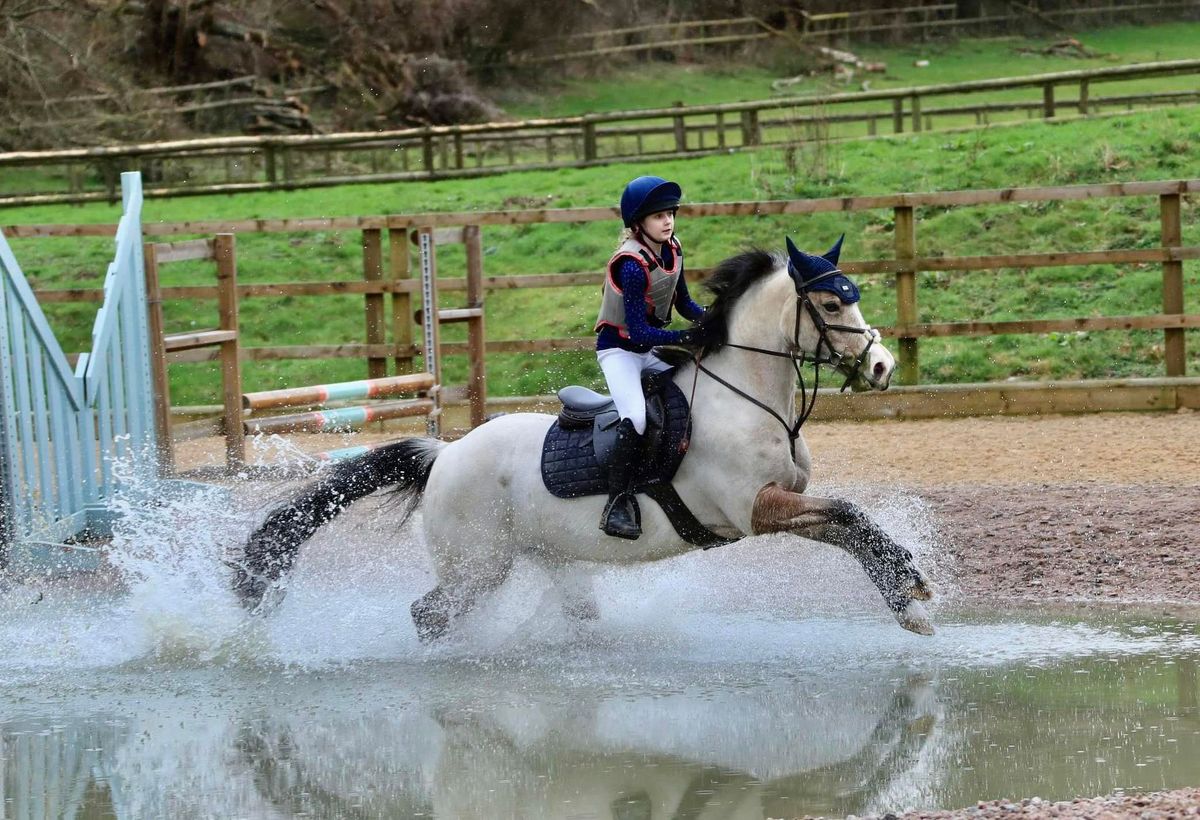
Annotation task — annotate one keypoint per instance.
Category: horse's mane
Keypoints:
(728, 282)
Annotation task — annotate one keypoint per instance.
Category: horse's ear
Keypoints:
(798, 258)
(835, 251)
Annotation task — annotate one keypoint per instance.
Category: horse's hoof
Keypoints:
(914, 618)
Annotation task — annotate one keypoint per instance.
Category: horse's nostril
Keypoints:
(879, 370)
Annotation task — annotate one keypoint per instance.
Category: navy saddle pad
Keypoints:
(578, 445)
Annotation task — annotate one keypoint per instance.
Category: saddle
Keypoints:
(578, 447)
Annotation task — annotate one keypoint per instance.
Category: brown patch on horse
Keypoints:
(777, 509)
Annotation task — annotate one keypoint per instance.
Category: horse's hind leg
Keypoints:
(462, 582)
(575, 588)
(888, 564)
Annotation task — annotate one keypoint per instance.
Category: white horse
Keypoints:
(745, 472)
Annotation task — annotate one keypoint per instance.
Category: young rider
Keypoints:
(644, 281)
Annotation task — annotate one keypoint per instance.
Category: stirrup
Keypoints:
(628, 530)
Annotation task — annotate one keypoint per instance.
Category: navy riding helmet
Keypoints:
(648, 195)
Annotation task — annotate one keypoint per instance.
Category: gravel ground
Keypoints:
(1153, 806)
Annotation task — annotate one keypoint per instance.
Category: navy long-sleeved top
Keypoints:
(645, 331)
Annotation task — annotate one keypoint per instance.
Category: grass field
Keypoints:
(1138, 146)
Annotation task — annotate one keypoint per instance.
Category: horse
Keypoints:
(745, 471)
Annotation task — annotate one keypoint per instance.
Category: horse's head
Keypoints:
(825, 323)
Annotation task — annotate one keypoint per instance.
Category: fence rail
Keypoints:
(305, 161)
(906, 266)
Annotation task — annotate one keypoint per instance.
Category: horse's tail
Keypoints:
(271, 549)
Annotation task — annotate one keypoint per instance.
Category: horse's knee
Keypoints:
(431, 614)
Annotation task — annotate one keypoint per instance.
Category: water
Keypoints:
(765, 680)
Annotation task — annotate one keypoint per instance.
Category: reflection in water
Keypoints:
(480, 740)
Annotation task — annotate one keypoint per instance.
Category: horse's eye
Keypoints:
(832, 307)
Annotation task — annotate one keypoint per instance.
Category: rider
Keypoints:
(644, 281)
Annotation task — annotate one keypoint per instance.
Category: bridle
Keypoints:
(847, 362)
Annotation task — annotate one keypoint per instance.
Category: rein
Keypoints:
(808, 401)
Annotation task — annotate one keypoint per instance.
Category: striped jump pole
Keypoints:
(345, 418)
(341, 391)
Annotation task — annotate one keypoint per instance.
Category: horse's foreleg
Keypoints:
(888, 564)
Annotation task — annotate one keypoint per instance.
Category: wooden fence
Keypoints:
(920, 19)
(303, 161)
(906, 266)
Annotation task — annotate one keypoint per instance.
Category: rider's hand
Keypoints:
(695, 336)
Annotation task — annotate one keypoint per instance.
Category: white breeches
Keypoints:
(623, 372)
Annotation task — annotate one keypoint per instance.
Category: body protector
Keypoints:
(660, 285)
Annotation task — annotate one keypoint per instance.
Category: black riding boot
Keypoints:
(621, 517)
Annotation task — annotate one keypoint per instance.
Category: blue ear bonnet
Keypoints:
(821, 272)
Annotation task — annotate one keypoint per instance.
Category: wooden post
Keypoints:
(458, 149)
(269, 157)
(720, 132)
(680, 131)
(225, 252)
(477, 383)
(111, 180)
(402, 317)
(1174, 352)
(372, 251)
(1048, 101)
(750, 131)
(549, 148)
(589, 140)
(444, 150)
(906, 290)
(916, 113)
(287, 165)
(158, 363)
(898, 115)
(427, 152)
(1083, 96)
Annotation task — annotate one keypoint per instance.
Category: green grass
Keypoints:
(658, 84)
(1140, 146)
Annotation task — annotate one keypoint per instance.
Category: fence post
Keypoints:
(589, 140)
(1048, 100)
(476, 350)
(898, 115)
(680, 131)
(158, 362)
(372, 250)
(402, 320)
(750, 132)
(906, 290)
(1083, 96)
(720, 130)
(427, 152)
(1174, 352)
(916, 113)
(458, 149)
(269, 157)
(231, 369)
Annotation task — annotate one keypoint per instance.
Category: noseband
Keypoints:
(798, 358)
